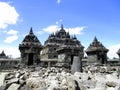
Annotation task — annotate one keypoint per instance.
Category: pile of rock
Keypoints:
(53, 78)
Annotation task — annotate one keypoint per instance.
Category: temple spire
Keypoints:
(61, 26)
(95, 39)
(31, 31)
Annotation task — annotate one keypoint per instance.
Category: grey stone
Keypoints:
(15, 80)
(77, 65)
(72, 84)
(42, 88)
(25, 87)
(9, 76)
(17, 75)
(2, 87)
(21, 82)
(13, 86)
(111, 84)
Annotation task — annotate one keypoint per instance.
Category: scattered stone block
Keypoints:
(13, 86)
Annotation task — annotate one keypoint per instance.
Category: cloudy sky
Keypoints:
(85, 18)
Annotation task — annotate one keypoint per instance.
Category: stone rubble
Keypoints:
(54, 78)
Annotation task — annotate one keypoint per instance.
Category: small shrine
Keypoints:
(30, 49)
(3, 55)
(118, 52)
(96, 52)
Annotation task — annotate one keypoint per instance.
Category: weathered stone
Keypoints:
(111, 84)
(64, 87)
(24, 87)
(35, 82)
(2, 78)
(42, 88)
(21, 82)
(2, 87)
(17, 75)
(76, 66)
(97, 53)
(13, 86)
(72, 84)
(11, 81)
(9, 76)
(30, 49)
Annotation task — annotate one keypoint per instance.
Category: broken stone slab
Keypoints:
(2, 78)
(24, 87)
(111, 84)
(2, 87)
(15, 80)
(13, 86)
(10, 76)
(34, 83)
(21, 82)
(42, 88)
(17, 75)
(72, 84)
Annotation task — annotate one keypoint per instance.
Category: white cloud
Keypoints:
(40, 32)
(72, 31)
(12, 32)
(8, 15)
(51, 29)
(75, 30)
(58, 1)
(113, 51)
(11, 39)
(10, 51)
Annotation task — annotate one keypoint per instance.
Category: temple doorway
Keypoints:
(30, 59)
(71, 59)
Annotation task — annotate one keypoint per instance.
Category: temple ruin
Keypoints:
(30, 49)
(61, 47)
(97, 53)
(118, 52)
(3, 55)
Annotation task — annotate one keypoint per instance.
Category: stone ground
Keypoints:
(53, 78)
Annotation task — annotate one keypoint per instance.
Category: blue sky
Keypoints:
(85, 18)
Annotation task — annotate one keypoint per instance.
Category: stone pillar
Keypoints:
(76, 65)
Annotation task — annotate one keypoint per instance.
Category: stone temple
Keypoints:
(61, 47)
(97, 53)
(3, 55)
(118, 52)
(30, 49)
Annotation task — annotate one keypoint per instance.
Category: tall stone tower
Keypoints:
(30, 49)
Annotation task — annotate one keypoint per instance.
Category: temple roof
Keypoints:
(59, 35)
(31, 32)
(3, 53)
(30, 39)
(62, 29)
(96, 46)
(118, 52)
